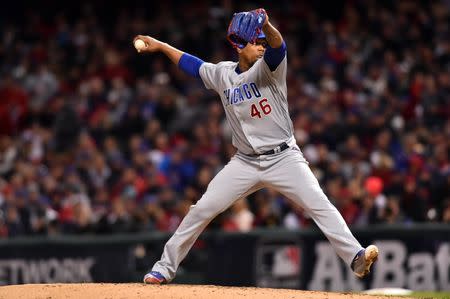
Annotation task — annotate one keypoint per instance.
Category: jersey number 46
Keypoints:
(264, 107)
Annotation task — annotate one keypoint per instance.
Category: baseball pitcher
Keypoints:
(254, 95)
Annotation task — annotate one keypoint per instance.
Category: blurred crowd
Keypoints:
(95, 138)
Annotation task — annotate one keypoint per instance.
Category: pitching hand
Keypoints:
(151, 44)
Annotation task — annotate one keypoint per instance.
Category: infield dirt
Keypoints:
(130, 290)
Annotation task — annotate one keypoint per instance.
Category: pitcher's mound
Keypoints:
(137, 291)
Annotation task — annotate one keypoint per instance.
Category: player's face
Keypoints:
(252, 52)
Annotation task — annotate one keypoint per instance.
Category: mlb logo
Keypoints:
(286, 261)
(278, 264)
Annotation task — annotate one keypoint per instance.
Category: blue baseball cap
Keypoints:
(261, 34)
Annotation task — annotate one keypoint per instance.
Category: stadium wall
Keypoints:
(416, 257)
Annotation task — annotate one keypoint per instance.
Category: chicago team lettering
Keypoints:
(246, 91)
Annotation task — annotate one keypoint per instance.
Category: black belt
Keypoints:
(278, 149)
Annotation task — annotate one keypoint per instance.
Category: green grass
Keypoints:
(429, 295)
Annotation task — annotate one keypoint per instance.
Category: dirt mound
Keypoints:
(136, 291)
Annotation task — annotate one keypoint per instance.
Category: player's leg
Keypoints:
(237, 179)
(294, 179)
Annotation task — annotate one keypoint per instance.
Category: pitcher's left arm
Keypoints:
(276, 50)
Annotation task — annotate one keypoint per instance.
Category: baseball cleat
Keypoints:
(363, 260)
(154, 277)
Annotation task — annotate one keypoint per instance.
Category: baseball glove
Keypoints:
(245, 27)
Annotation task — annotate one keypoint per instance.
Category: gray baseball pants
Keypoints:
(288, 173)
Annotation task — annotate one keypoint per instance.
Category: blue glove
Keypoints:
(245, 27)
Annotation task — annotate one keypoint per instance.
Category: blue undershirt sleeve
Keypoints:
(190, 64)
(274, 56)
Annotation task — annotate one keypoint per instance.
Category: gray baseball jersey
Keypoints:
(255, 103)
(256, 107)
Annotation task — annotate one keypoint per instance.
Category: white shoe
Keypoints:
(363, 260)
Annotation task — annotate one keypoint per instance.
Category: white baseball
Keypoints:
(139, 44)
